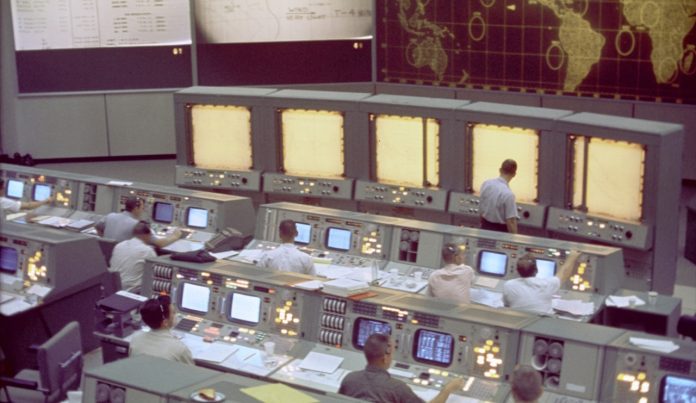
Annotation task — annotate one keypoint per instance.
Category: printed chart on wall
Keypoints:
(625, 49)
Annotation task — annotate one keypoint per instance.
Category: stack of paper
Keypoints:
(321, 362)
(310, 285)
(58, 222)
(79, 225)
(573, 306)
(486, 297)
(345, 287)
(663, 346)
(618, 301)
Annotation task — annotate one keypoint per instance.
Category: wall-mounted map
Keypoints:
(624, 49)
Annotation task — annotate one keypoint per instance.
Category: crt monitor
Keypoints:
(338, 239)
(492, 263)
(197, 217)
(9, 259)
(15, 189)
(163, 212)
(194, 298)
(433, 348)
(41, 192)
(545, 268)
(244, 309)
(304, 233)
(677, 389)
(364, 327)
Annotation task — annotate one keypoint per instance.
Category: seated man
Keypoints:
(526, 385)
(286, 257)
(529, 293)
(159, 342)
(452, 282)
(119, 226)
(374, 383)
(128, 257)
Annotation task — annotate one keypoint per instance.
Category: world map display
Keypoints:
(619, 49)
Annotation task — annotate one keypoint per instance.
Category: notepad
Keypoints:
(321, 362)
(216, 352)
(486, 282)
(310, 285)
(278, 393)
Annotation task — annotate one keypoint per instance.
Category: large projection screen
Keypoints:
(407, 150)
(494, 144)
(221, 137)
(313, 143)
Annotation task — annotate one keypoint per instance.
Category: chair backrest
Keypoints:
(687, 326)
(60, 362)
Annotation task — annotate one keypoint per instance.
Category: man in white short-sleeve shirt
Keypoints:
(498, 208)
(452, 282)
(128, 257)
(286, 257)
(534, 294)
(159, 341)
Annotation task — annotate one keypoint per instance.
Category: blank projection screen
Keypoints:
(399, 153)
(494, 144)
(221, 137)
(313, 143)
(615, 178)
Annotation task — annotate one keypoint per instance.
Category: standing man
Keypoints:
(286, 257)
(533, 294)
(498, 208)
(128, 257)
(374, 384)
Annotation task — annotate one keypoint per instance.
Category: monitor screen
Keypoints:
(545, 268)
(163, 212)
(677, 389)
(245, 309)
(194, 298)
(15, 189)
(304, 233)
(492, 263)
(41, 192)
(197, 217)
(9, 259)
(433, 347)
(338, 239)
(363, 328)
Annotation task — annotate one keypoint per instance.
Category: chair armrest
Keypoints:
(18, 383)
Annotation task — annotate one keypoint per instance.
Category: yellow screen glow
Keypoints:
(313, 143)
(400, 155)
(494, 144)
(614, 177)
(221, 137)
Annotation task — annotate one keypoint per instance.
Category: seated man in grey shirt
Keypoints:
(374, 384)
(119, 226)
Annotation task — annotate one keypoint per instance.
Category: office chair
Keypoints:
(687, 326)
(59, 362)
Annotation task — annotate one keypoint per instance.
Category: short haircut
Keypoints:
(287, 228)
(526, 384)
(526, 266)
(142, 228)
(132, 203)
(509, 167)
(376, 347)
(154, 311)
(449, 252)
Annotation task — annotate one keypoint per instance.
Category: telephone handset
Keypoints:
(228, 239)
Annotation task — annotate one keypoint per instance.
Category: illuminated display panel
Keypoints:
(614, 180)
(312, 143)
(221, 137)
(494, 144)
(407, 150)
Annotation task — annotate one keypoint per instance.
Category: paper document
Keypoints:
(183, 245)
(309, 285)
(5, 298)
(249, 255)
(278, 393)
(131, 295)
(216, 352)
(331, 271)
(573, 306)
(663, 346)
(39, 290)
(58, 222)
(119, 183)
(14, 306)
(618, 301)
(485, 297)
(15, 216)
(486, 282)
(79, 225)
(225, 254)
(321, 362)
